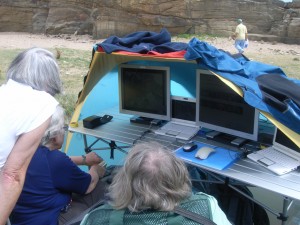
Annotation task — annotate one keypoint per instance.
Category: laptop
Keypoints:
(183, 121)
(281, 158)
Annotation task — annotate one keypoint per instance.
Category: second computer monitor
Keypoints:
(222, 109)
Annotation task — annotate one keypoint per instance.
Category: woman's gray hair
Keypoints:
(56, 126)
(37, 68)
(151, 178)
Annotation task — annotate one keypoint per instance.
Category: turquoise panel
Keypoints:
(106, 95)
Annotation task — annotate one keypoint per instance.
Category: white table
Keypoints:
(120, 130)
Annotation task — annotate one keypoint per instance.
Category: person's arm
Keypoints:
(96, 172)
(12, 175)
(236, 31)
(88, 159)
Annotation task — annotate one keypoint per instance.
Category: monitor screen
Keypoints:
(222, 109)
(284, 141)
(145, 91)
(184, 108)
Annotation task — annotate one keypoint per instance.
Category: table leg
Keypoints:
(284, 215)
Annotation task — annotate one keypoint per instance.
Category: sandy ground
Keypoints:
(11, 40)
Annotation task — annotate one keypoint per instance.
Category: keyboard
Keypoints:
(180, 131)
(178, 128)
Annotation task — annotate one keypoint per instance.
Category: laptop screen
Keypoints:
(184, 108)
(283, 140)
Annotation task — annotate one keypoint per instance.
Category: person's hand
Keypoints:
(92, 158)
(100, 170)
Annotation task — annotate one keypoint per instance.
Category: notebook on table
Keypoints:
(281, 158)
(183, 123)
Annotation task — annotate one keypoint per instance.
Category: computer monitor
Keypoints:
(144, 91)
(222, 109)
(183, 109)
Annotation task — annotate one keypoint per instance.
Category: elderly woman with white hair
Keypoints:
(27, 104)
(56, 189)
(148, 188)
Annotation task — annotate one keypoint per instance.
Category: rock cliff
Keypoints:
(270, 20)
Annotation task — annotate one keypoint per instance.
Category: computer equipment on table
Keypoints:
(282, 157)
(204, 152)
(105, 119)
(94, 121)
(221, 109)
(183, 122)
(220, 159)
(144, 91)
(189, 147)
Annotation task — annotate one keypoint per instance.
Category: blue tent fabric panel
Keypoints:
(104, 95)
(220, 159)
(244, 74)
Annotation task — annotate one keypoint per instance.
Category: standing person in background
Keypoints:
(27, 104)
(146, 190)
(241, 35)
(55, 188)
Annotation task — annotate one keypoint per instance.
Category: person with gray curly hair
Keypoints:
(142, 180)
(56, 189)
(27, 104)
(146, 190)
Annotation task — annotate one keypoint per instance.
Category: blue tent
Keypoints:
(263, 86)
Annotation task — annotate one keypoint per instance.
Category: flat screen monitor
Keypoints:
(222, 109)
(144, 91)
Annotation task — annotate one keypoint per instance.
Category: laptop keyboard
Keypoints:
(273, 155)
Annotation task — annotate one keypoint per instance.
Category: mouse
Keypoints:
(190, 146)
(204, 152)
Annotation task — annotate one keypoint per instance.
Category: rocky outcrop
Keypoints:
(265, 19)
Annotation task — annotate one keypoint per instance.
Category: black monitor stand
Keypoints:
(213, 134)
(237, 141)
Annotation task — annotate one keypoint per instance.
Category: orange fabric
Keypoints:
(177, 54)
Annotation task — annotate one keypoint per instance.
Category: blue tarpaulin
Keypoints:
(245, 74)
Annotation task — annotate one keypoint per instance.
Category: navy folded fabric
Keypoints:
(143, 42)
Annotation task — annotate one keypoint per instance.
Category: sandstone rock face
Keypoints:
(265, 19)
